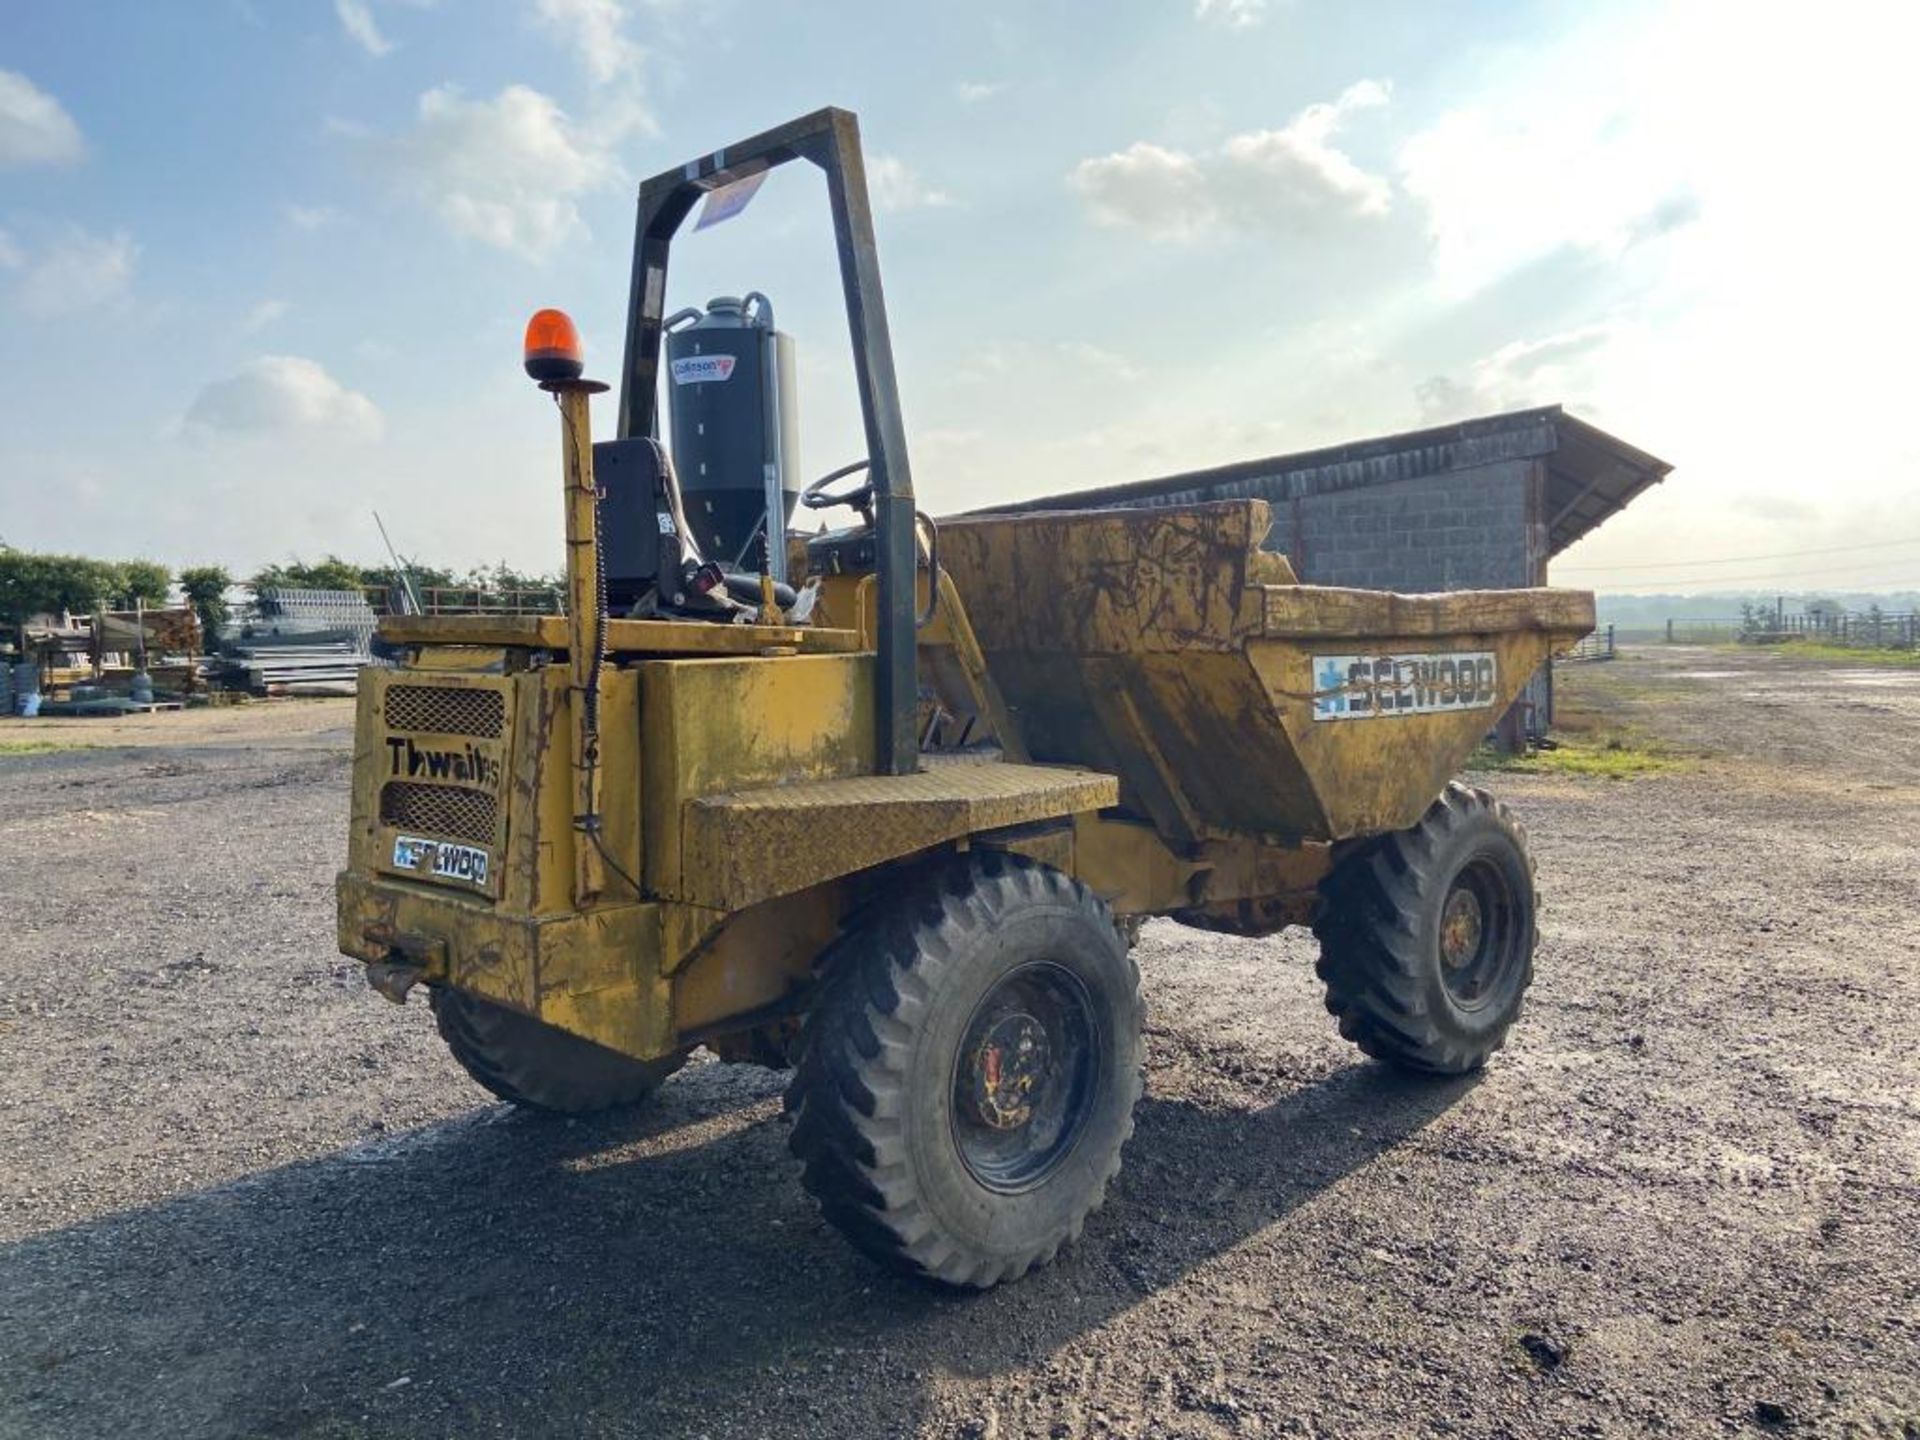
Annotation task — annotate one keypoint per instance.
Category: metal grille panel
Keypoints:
(445, 710)
(455, 813)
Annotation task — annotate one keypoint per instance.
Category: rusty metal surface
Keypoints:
(1145, 643)
(1111, 582)
(714, 726)
(433, 772)
(760, 843)
(624, 637)
(761, 956)
(1313, 612)
(594, 973)
(586, 625)
(959, 703)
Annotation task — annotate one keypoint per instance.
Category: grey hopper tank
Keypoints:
(731, 408)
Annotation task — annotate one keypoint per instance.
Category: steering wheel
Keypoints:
(821, 495)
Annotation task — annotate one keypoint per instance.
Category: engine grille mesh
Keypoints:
(445, 710)
(441, 810)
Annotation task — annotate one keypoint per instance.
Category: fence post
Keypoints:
(1669, 630)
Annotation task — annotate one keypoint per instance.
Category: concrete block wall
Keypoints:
(1474, 529)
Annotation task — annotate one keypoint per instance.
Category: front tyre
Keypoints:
(969, 1070)
(537, 1067)
(1427, 936)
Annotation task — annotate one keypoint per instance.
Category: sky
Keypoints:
(264, 264)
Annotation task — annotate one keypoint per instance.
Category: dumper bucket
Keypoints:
(1164, 646)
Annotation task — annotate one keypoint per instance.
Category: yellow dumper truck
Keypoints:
(894, 820)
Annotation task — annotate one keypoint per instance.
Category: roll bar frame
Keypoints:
(830, 138)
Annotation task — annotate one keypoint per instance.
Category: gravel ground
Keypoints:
(240, 1195)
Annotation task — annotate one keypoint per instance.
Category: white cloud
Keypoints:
(356, 18)
(283, 395)
(12, 257)
(972, 92)
(894, 185)
(1234, 14)
(310, 217)
(34, 128)
(1147, 187)
(78, 271)
(1026, 362)
(263, 315)
(508, 172)
(1094, 357)
(1567, 368)
(1560, 162)
(1262, 180)
(597, 31)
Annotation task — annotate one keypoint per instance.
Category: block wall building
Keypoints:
(1484, 504)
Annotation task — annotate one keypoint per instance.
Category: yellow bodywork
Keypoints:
(1164, 647)
(1138, 698)
(749, 777)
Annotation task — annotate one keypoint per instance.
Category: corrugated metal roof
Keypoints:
(1591, 475)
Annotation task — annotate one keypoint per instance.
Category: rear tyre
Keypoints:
(537, 1067)
(1427, 936)
(968, 1072)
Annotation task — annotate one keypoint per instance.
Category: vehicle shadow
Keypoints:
(500, 1274)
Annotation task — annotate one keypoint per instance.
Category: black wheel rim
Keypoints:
(1480, 939)
(1025, 1077)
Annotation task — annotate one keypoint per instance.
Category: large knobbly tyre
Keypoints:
(536, 1066)
(1427, 936)
(968, 1072)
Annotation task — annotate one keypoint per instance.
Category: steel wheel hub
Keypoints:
(1025, 1077)
(1007, 1068)
(1461, 927)
(1483, 942)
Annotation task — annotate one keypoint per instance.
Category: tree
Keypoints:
(332, 573)
(206, 591)
(21, 584)
(141, 581)
(500, 577)
(33, 584)
(427, 577)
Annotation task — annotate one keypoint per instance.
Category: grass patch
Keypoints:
(1592, 739)
(1615, 759)
(40, 747)
(1848, 654)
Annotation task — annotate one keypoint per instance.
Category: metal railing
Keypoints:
(1596, 646)
(471, 600)
(1856, 629)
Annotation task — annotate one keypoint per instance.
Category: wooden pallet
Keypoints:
(119, 712)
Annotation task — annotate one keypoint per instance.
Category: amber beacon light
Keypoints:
(553, 347)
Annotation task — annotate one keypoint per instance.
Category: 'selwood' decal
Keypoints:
(1365, 687)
